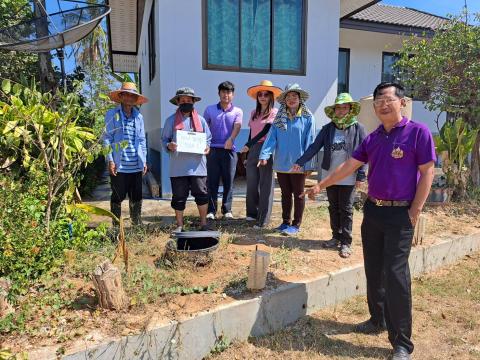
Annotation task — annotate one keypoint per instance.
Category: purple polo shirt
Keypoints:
(393, 159)
(221, 123)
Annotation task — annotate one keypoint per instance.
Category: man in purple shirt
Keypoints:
(225, 122)
(400, 154)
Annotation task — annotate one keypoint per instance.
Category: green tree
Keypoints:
(45, 67)
(16, 65)
(43, 141)
(446, 71)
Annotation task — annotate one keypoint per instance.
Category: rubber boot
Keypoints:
(116, 210)
(136, 212)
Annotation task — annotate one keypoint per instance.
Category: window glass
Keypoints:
(343, 70)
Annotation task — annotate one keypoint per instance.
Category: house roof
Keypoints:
(401, 16)
(350, 7)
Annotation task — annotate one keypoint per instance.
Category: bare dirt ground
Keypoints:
(62, 310)
(446, 325)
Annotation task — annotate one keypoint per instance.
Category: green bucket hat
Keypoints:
(343, 98)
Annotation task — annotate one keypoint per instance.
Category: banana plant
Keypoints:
(457, 138)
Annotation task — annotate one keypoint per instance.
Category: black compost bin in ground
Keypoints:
(196, 246)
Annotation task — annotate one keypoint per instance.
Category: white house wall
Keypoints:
(179, 63)
(366, 66)
(151, 110)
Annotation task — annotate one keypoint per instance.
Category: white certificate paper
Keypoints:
(191, 142)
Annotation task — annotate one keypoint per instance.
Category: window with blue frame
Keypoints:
(255, 35)
(343, 70)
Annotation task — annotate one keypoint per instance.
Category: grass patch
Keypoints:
(282, 259)
(236, 286)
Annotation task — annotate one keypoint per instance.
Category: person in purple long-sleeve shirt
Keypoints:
(225, 121)
(401, 155)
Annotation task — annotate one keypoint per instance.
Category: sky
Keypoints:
(437, 7)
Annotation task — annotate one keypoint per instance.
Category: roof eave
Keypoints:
(384, 28)
(133, 53)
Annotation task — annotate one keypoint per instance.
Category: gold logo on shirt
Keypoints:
(397, 153)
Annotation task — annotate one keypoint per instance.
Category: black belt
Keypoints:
(379, 202)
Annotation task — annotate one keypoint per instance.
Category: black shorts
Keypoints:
(183, 185)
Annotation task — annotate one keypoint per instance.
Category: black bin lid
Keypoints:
(196, 234)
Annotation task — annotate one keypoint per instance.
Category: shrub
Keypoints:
(26, 249)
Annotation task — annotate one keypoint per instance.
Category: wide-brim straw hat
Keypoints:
(265, 85)
(128, 87)
(343, 98)
(184, 91)
(293, 87)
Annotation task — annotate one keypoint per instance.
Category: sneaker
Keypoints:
(228, 215)
(345, 251)
(291, 230)
(282, 227)
(178, 229)
(369, 327)
(258, 227)
(249, 218)
(211, 216)
(331, 244)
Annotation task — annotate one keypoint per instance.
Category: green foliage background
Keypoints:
(16, 65)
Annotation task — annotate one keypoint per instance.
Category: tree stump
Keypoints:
(108, 284)
(419, 232)
(5, 307)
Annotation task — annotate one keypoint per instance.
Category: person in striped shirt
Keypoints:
(127, 162)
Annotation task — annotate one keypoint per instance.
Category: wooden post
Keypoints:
(5, 307)
(419, 232)
(257, 272)
(108, 284)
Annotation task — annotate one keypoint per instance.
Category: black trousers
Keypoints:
(221, 163)
(260, 186)
(126, 184)
(292, 184)
(387, 235)
(183, 185)
(340, 207)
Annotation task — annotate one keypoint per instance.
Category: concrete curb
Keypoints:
(193, 338)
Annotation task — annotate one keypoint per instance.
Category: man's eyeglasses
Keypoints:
(387, 101)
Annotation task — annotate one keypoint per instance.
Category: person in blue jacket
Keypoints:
(339, 139)
(289, 137)
(127, 161)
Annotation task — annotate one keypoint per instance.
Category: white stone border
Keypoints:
(193, 338)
